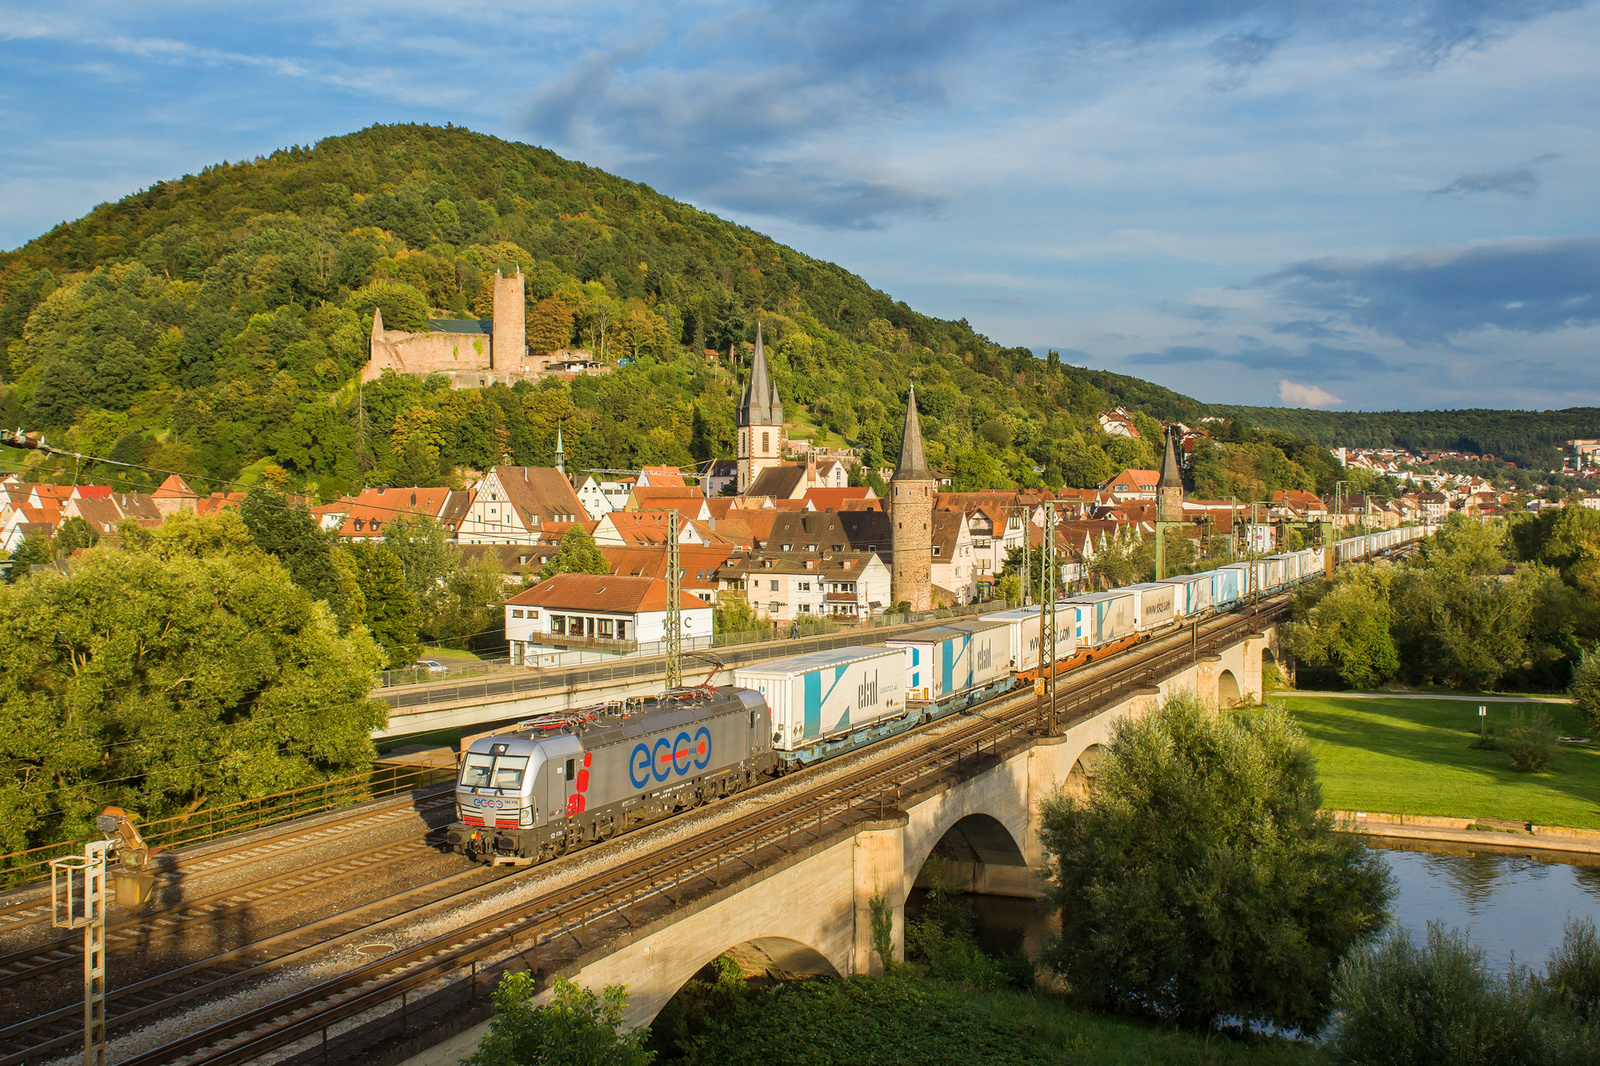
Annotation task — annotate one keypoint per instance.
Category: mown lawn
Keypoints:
(890, 1021)
(1400, 756)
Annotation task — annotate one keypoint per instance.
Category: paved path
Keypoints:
(1424, 696)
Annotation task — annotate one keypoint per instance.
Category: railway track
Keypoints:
(34, 905)
(352, 1011)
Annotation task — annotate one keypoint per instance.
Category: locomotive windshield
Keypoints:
(493, 771)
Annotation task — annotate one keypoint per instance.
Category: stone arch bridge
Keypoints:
(813, 912)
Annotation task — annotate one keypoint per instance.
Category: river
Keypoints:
(1514, 904)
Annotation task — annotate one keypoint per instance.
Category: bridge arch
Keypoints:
(775, 958)
(977, 852)
(1227, 688)
(1080, 779)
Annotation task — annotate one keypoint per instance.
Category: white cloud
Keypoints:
(1292, 394)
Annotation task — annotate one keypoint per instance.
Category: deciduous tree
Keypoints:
(1199, 882)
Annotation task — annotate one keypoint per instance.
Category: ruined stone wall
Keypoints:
(426, 353)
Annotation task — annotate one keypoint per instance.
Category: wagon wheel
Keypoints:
(605, 830)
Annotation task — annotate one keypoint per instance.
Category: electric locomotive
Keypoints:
(564, 780)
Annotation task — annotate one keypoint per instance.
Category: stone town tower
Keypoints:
(1169, 489)
(911, 511)
(760, 421)
(509, 348)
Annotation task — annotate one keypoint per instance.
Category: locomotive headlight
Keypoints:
(525, 816)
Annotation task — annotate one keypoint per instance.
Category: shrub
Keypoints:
(576, 1027)
(1530, 741)
(1438, 1003)
(1199, 882)
(1585, 687)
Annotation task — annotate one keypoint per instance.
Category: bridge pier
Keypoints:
(879, 874)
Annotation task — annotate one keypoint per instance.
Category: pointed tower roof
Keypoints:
(913, 464)
(1171, 475)
(759, 404)
(560, 451)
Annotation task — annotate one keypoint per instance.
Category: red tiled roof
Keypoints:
(603, 592)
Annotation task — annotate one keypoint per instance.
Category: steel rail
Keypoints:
(571, 909)
(172, 919)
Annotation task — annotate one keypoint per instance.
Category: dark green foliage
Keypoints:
(1199, 882)
(576, 1028)
(33, 551)
(1585, 688)
(1348, 630)
(390, 610)
(1529, 740)
(1437, 1004)
(291, 533)
(904, 1020)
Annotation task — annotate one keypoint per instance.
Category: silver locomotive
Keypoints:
(562, 781)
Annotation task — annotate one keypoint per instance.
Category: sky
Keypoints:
(1350, 204)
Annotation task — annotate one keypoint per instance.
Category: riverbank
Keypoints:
(1524, 835)
(1404, 754)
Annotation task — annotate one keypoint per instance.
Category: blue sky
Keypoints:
(1348, 203)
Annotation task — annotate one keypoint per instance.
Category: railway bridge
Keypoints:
(809, 907)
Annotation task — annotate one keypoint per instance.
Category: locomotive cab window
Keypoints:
(508, 771)
(570, 764)
(476, 773)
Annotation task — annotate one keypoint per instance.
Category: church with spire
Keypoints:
(911, 514)
(760, 421)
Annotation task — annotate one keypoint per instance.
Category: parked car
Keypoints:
(432, 666)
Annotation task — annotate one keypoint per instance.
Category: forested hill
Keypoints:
(1528, 438)
(215, 325)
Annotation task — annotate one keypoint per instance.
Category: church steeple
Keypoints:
(913, 464)
(561, 452)
(760, 420)
(759, 404)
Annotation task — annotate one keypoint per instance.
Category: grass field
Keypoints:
(1409, 756)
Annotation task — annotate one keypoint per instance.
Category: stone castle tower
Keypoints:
(911, 511)
(1169, 488)
(760, 421)
(510, 347)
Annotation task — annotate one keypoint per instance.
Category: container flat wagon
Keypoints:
(1192, 593)
(1155, 605)
(953, 665)
(1026, 627)
(1104, 617)
(829, 701)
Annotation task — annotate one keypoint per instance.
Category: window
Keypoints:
(358, 525)
(558, 624)
(516, 612)
(606, 627)
(805, 586)
(773, 607)
(935, 550)
(764, 443)
(805, 608)
(622, 629)
(773, 585)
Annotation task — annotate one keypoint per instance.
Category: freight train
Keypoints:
(565, 780)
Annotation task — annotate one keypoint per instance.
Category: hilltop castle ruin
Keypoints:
(474, 354)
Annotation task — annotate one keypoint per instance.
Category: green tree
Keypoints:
(390, 614)
(35, 550)
(1585, 688)
(576, 1028)
(577, 554)
(472, 607)
(290, 533)
(1348, 630)
(174, 683)
(426, 557)
(1199, 882)
(733, 614)
(75, 533)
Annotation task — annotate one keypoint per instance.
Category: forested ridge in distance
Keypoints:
(216, 325)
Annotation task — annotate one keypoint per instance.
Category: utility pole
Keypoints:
(674, 634)
(1047, 622)
(1022, 512)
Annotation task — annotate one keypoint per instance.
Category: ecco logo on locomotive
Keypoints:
(667, 758)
